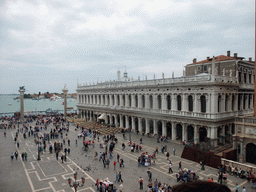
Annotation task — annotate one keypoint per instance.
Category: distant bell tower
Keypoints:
(125, 74)
(118, 75)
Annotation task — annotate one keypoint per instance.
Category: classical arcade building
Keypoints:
(200, 105)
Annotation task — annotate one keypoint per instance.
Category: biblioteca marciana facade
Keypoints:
(200, 105)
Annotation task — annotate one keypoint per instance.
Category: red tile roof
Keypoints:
(218, 58)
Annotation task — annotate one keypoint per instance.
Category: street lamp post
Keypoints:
(76, 184)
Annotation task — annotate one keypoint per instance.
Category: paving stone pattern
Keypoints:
(49, 175)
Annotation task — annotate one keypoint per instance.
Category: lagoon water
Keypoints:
(9, 105)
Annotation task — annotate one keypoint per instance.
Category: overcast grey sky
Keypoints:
(47, 43)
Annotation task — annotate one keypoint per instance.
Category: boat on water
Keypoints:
(9, 104)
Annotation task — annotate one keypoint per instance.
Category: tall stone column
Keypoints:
(121, 122)
(133, 101)
(147, 126)
(140, 125)
(214, 136)
(235, 102)
(164, 102)
(184, 102)
(184, 132)
(133, 123)
(22, 91)
(196, 134)
(208, 103)
(155, 101)
(174, 103)
(127, 100)
(65, 91)
(147, 101)
(155, 127)
(116, 102)
(214, 103)
(164, 128)
(127, 121)
(140, 101)
(174, 131)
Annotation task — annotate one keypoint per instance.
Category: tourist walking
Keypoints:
(12, 155)
(170, 167)
(167, 155)
(237, 187)
(16, 154)
(117, 177)
(120, 177)
(174, 150)
(244, 189)
(141, 183)
(179, 167)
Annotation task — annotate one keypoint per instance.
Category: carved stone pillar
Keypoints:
(208, 103)
(155, 127)
(147, 125)
(174, 104)
(196, 134)
(121, 122)
(164, 132)
(127, 100)
(184, 102)
(140, 101)
(174, 131)
(214, 103)
(155, 101)
(115, 98)
(147, 101)
(133, 100)
(164, 102)
(140, 125)
(133, 123)
(127, 121)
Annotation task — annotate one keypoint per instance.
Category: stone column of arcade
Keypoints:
(65, 91)
(22, 91)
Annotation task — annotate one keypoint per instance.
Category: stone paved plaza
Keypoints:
(49, 175)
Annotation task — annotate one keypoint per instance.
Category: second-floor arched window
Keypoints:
(190, 103)
(179, 103)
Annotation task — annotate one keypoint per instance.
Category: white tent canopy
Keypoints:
(102, 116)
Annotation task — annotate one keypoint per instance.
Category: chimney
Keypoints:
(235, 55)
(194, 60)
(228, 53)
(208, 58)
(250, 59)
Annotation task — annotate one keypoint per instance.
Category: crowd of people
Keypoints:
(57, 141)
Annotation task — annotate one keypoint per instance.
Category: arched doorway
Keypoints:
(159, 128)
(118, 120)
(151, 126)
(113, 120)
(202, 134)
(178, 132)
(136, 124)
(108, 119)
(190, 129)
(251, 153)
(143, 124)
(169, 129)
(124, 122)
(130, 122)
(218, 135)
